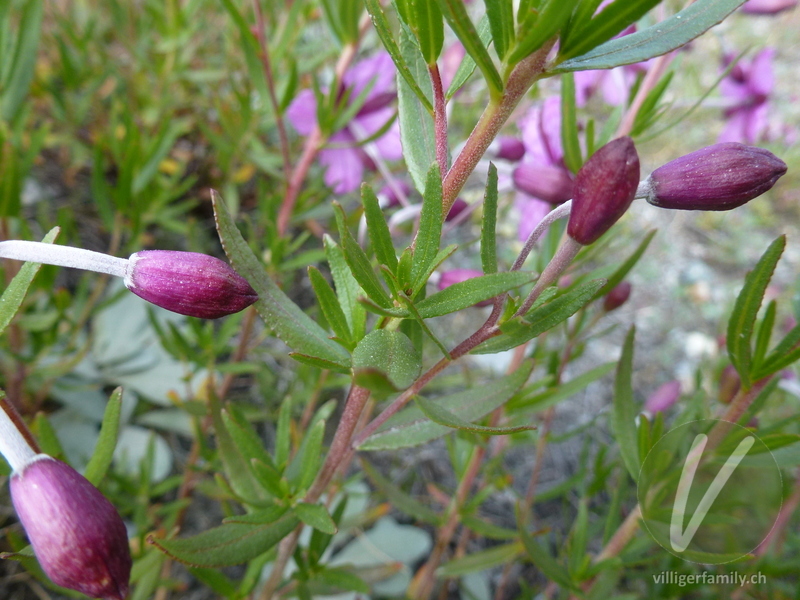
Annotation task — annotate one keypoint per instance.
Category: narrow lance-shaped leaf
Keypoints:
(742, 322)
(399, 499)
(457, 17)
(14, 294)
(623, 416)
(329, 304)
(417, 131)
(283, 316)
(467, 66)
(227, 545)
(107, 440)
(489, 223)
(481, 560)
(501, 20)
(658, 39)
(411, 427)
(538, 29)
(442, 416)
(569, 124)
(381, 24)
(386, 361)
(609, 22)
(378, 230)
(785, 353)
(430, 226)
(358, 262)
(316, 516)
(347, 289)
(15, 87)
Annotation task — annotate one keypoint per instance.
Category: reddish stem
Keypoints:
(439, 118)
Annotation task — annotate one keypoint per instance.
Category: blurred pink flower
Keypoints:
(663, 398)
(748, 87)
(345, 161)
(454, 276)
(614, 84)
(541, 179)
(767, 7)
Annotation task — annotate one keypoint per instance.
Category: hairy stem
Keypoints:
(439, 118)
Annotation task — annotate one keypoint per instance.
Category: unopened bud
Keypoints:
(77, 535)
(604, 189)
(729, 384)
(545, 182)
(663, 398)
(510, 149)
(618, 296)
(767, 7)
(188, 283)
(454, 276)
(718, 177)
(458, 207)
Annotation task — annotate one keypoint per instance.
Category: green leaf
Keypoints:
(329, 304)
(385, 33)
(544, 561)
(387, 360)
(283, 316)
(468, 293)
(23, 61)
(609, 22)
(623, 418)
(399, 499)
(244, 435)
(742, 322)
(46, 435)
(663, 37)
(539, 320)
(489, 223)
(467, 66)
(316, 516)
(554, 395)
(14, 294)
(764, 334)
(456, 14)
(358, 262)
(540, 27)
(417, 131)
(501, 20)
(411, 427)
(378, 230)
(305, 464)
(424, 18)
(619, 274)
(227, 545)
(481, 560)
(107, 440)
(347, 289)
(442, 416)
(425, 275)
(340, 580)
(784, 354)
(569, 124)
(283, 434)
(430, 227)
(342, 17)
(250, 49)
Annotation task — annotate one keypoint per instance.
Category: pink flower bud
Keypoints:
(454, 276)
(718, 177)
(767, 7)
(510, 149)
(618, 296)
(188, 283)
(663, 398)
(458, 207)
(78, 537)
(604, 189)
(729, 384)
(546, 182)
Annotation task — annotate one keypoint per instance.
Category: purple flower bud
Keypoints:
(663, 398)
(458, 207)
(767, 7)
(510, 149)
(618, 296)
(77, 535)
(729, 384)
(604, 189)
(547, 182)
(454, 276)
(718, 177)
(188, 283)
